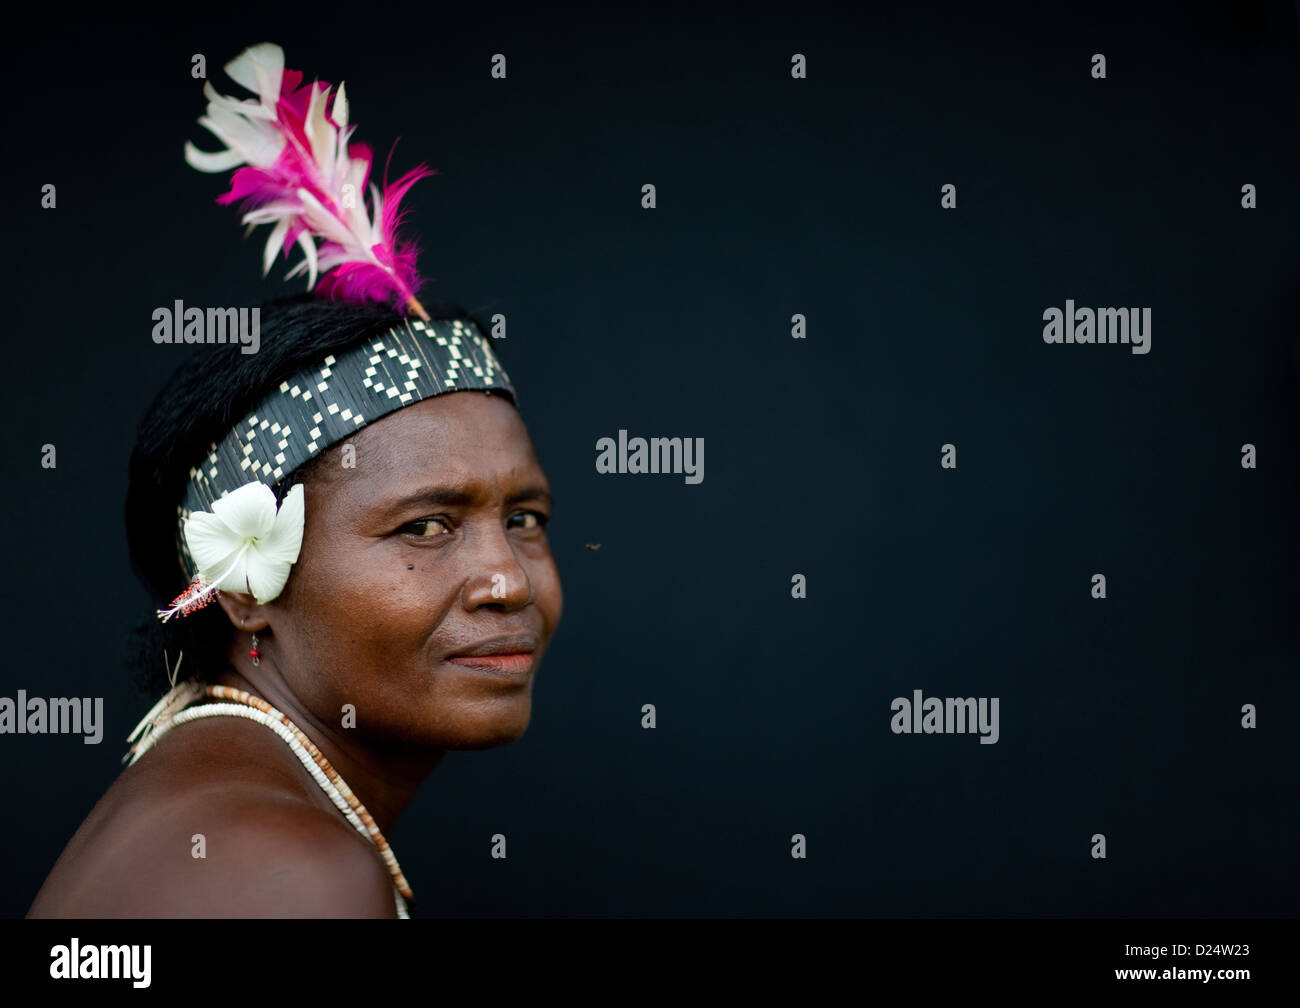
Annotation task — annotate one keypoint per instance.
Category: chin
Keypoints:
(482, 726)
(497, 733)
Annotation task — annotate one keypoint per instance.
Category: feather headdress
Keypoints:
(301, 175)
(297, 171)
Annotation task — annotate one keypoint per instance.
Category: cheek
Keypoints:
(546, 583)
(364, 610)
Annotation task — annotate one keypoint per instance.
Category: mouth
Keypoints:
(509, 657)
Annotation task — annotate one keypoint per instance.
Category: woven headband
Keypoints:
(299, 172)
(325, 404)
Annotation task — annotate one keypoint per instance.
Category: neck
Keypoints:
(384, 778)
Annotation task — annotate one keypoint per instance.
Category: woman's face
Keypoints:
(430, 543)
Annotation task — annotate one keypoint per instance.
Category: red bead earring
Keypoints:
(254, 653)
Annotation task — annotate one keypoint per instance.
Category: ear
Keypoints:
(243, 611)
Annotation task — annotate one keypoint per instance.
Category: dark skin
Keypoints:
(434, 542)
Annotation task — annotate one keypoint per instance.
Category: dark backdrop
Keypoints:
(776, 196)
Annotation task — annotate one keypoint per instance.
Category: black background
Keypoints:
(820, 196)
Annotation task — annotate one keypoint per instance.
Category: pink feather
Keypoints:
(362, 281)
(299, 174)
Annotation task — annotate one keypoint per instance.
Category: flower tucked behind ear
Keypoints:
(243, 545)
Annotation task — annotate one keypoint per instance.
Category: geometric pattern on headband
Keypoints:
(328, 402)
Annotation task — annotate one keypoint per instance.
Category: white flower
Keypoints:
(242, 545)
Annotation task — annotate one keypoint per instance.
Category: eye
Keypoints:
(426, 528)
(529, 519)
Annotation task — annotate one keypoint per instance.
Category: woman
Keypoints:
(361, 501)
(412, 623)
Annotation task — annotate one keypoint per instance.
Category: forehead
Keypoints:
(457, 437)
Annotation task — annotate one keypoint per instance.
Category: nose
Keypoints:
(497, 578)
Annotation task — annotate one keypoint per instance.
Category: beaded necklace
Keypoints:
(256, 709)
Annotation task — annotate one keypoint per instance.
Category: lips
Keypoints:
(513, 664)
(508, 645)
(511, 656)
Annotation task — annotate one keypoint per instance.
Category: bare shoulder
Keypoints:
(216, 823)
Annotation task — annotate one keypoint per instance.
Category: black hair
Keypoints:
(205, 397)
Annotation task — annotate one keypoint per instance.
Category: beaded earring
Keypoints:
(253, 653)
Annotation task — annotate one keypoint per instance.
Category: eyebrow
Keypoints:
(451, 497)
